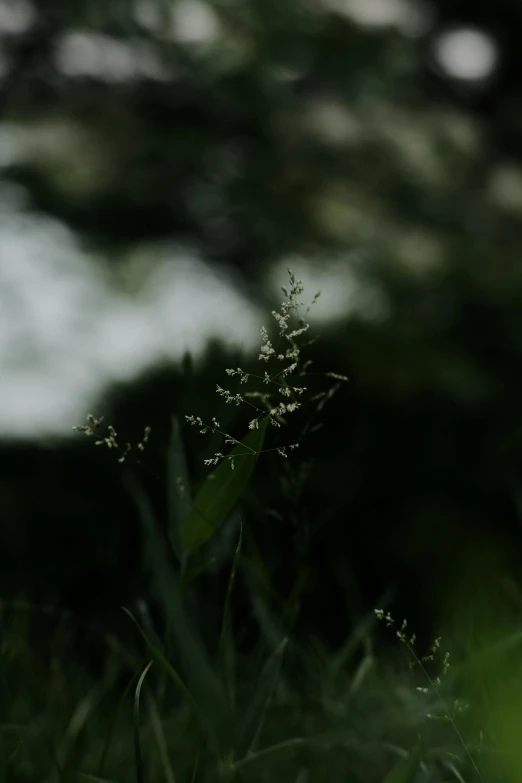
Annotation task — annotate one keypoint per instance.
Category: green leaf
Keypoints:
(176, 679)
(252, 720)
(406, 770)
(199, 677)
(264, 599)
(285, 747)
(140, 777)
(221, 491)
(112, 725)
(231, 582)
(74, 741)
(159, 732)
(226, 647)
(178, 488)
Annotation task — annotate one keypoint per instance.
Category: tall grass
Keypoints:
(176, 706)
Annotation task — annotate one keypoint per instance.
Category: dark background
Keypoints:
(297, 135)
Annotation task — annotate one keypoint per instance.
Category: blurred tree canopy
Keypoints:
(259, 132)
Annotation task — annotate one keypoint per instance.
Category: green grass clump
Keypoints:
(181, 705)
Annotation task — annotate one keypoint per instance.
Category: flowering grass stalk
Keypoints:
(434, 682)
(289, 402)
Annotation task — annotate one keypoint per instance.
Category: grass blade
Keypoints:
(264, 601)
(178, 488)
(140, 777)
(208, 722)
(74, 739)
(230, 587)
(221, 491)
(157, 727)
(284, 747)
(199, 677)
(110, 733)
(226, 650)
(176, 679)
(252, 720)
(195, 770)
(406, 770)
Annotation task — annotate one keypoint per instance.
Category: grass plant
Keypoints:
(176, 707)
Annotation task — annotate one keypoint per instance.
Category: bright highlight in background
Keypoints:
(67, 332)
(345, 291)
(466, 53)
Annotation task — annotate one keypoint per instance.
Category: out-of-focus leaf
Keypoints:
(110, 732)
(178, 488)
(140, 777)
(176, 679)
(159, 732)
(221, 491)
(286, 747)
(406, 770)
(231, 582)
(252, 719)
(198, 674)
